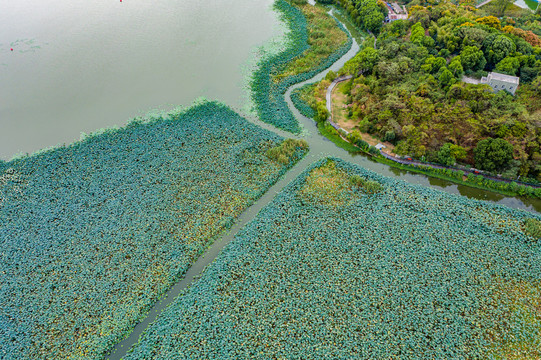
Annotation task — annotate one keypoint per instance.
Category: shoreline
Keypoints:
(529, 190)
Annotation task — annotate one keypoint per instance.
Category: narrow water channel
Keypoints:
(319, 147)
(319, 144)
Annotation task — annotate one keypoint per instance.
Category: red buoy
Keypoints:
(11, 49)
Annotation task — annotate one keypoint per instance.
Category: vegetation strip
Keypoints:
(269, 86)
(491, 154)
(345, 263)
(93, 233)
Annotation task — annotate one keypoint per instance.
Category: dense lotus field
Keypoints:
(347, 264)
(267, 95)
(92, 233)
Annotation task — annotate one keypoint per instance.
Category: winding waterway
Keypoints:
(319, 147)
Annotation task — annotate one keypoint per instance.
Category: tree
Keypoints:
(373, 21)
(501, 6)
(509, 65)
(331, 75)
(363, 62)
(501, 47)
(368, 58)
(491, 21)
(322, 112)
(458, 152)
(450, 153)
(419, 14)
(446, 77)
(493, 154)
(456, 67)
(444, 155)
(472, 36)
(472, 58)
(428, 66)
(417, 33)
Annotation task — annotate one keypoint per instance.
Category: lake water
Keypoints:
(77, 66)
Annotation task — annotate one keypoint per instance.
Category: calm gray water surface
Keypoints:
(77, 66)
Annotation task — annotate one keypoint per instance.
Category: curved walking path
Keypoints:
(483, 3)
(328, 98)
(405, 161)
(320, 147)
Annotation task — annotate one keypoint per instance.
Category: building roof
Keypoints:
(398, 16)
(503, 77)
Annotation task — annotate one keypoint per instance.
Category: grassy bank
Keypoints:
(330, 133)
(311, 95)
(345, 263)
(298, 97)
(325, 36)
(313, 43)
(93, 233)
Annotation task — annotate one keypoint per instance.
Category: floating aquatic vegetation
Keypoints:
(285, 152)
(406, 272)
(303, 107)
(532, 227)
(91, 234)
(267, 95)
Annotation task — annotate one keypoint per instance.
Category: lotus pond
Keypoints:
(91, 234)
(345, 263)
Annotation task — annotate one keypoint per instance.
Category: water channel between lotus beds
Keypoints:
(80, 66)
(319, 147)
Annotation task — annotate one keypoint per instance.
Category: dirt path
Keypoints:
(483, 3)
(388, 152)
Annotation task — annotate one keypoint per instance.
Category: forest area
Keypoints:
(408, 90)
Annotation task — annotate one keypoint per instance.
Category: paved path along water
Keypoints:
(319, 147)
(328, 98)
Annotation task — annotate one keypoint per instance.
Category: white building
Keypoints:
(499, 82)
(394, 17)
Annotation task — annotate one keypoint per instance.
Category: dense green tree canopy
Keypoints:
(363, 62)
(509, 65)
(410, 91)
(499, 48)
(472, 58)
(493, 154)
